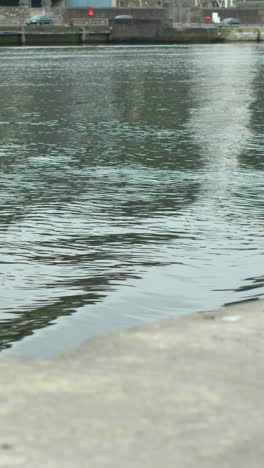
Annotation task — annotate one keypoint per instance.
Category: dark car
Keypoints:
(40, 19)
(230, 22)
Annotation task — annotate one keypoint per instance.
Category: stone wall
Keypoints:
(154, 31)
(139, 13)
(13, 15)
(135, 30)
(246, 15)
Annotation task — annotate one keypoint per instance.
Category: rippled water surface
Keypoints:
(131, 187)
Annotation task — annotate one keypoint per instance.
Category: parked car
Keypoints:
(230, 22)
(40, 19)
(123, 17)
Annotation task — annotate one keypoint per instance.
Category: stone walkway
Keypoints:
(182, 393)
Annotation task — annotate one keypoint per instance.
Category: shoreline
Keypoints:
(184, 391)
(144, 32)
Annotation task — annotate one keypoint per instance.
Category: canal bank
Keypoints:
(128, 32)
(184, 391)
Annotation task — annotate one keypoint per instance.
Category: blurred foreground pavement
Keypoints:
(183, 392)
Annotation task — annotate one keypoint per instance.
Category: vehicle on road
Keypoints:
(230, 22)
(123, 17)
(40, 19)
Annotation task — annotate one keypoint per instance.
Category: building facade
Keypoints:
(89, 3)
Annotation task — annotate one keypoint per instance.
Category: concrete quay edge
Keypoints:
(182, 392)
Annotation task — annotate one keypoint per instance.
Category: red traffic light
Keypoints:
(90, 13)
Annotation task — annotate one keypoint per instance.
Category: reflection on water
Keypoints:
(248, 285)
(131, 187)
(221, 107)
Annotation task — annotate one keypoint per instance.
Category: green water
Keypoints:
(131, 187)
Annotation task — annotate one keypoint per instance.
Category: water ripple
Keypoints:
(108, 189)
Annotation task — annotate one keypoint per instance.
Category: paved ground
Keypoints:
(184, 392)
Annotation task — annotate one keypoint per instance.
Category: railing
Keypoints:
(90, 21)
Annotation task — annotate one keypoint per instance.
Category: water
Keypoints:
(131, 187)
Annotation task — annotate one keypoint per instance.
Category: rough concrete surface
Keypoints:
(184, 392)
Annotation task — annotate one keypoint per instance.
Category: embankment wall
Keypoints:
(135, 31)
